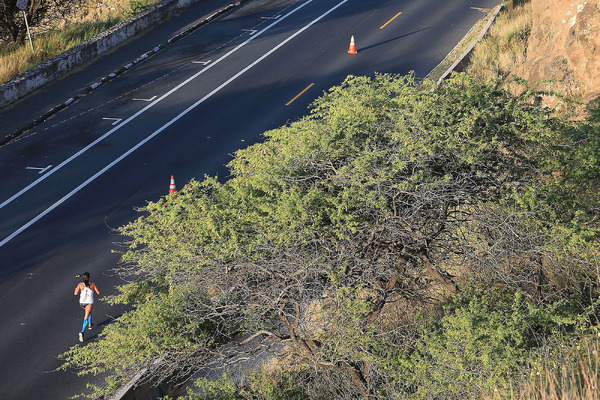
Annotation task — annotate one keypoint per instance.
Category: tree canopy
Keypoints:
(341, 237)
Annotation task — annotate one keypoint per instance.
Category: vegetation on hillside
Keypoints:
(504, 47)
(397, 242)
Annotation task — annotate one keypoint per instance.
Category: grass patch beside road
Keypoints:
(502, 49)
(505, 46)
(17, 60)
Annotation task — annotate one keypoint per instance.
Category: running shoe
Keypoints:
(81, 336)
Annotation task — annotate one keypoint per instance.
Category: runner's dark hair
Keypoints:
(86, 278)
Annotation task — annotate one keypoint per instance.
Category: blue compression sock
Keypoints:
(85, 321)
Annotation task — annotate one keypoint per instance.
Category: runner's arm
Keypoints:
(95, 288)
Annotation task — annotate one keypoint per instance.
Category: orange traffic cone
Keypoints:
(352, 49)
(172, 188)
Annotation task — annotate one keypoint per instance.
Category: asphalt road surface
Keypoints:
(67, 183)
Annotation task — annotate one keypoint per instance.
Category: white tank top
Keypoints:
(86, 296)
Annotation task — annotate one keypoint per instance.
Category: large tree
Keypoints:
(330, 235)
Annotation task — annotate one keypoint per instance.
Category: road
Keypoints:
(70, 181)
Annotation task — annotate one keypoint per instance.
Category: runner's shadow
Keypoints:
(391, 40)
(105, 322)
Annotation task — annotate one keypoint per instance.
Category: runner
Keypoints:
(86, 301)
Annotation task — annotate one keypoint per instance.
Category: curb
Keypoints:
(467, 53)
(37, 77)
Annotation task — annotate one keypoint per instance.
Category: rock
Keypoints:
(564, 45)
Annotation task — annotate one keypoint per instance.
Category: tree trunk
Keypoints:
(360, 382)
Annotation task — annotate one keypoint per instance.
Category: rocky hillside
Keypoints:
(565, 46)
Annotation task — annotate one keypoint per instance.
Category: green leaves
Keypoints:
(483, 343)
(334, 231)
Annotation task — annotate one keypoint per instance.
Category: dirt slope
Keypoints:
(565, 45)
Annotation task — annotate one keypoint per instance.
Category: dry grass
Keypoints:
(576, 378)
(52, 39)
(505, 46)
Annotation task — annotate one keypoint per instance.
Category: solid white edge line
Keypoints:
(143, 110)
(127, 153)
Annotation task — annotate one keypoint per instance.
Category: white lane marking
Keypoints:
(250, 31)
(117, 120)
(148, 100)
(187, 110)
(143, 110)
(40, 170)
(483, 10)
(201, 62)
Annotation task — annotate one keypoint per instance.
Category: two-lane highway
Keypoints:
(182, 112)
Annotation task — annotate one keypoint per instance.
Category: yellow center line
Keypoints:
(393, 18)
(299, 94)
